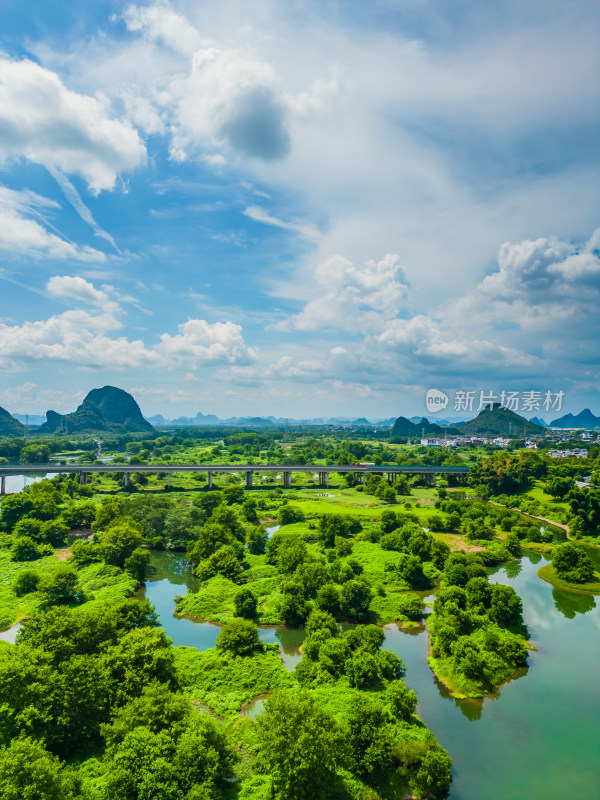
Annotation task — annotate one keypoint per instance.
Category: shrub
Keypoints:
(26, 582)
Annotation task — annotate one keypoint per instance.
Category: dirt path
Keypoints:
(562, 525)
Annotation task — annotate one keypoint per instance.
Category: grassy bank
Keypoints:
(548, 573)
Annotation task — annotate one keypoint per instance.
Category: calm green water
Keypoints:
(538, 740)
(168, 575)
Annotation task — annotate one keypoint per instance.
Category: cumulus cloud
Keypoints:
(78, 288)
(203, 342)
(228, 97)
(86, 338)
(535, 315)
(350, 297)
(46, 123)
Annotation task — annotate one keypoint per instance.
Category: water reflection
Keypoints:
(513, 568)
(571, 603)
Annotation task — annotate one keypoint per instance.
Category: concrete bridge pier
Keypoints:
(249, 479)
(324, 479)
(287, 479)
(210, 480)
(83, 478)
(126, 479)
(3, 485)
(169, 480)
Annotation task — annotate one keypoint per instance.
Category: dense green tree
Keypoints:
(29, 772)
(506, 606)
(288, 515)
(356, 599)
(256, 540)
(140, 656)
(293, 608)
(26, 582)
(403, 701)
(208, 501)
(332, 525)
(78, 514)
(230, 518)
(479, 593)
(233, 494)
(239, 638)
(371, 740)
(14, 507)
(572, 563)
(245, 603)
(209, 539)
(313, 575)
(299, 748)
(137, 564)
(23, 548)
(35, 454)
(362, 670)
(61, 587)
(328, 599)
(291, 553)
(118, 541)
(433, 776)
(223, 562)
(181, 526)
(321, 620)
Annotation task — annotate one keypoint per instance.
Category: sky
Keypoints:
(300, 209)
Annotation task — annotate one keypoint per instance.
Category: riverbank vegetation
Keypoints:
(340, 562)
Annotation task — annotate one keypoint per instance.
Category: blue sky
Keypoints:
(299, 209)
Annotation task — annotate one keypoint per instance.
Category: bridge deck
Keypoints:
(414, 469)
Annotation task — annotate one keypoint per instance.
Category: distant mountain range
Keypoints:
(115, 410)
(539, 421)
(30, 419)
(585, 419)
(264, 422)
(105, 409)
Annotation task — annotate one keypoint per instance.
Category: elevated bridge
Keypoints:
(391, 471)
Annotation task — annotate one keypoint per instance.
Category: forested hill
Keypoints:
(105, 409)
(499, 421)
(404, 427)
(9, 426)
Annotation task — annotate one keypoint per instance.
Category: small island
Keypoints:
(571, 569)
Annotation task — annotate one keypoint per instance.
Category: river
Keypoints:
(16, 483)
(537, 740)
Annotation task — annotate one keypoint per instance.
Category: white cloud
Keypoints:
(75, 200)
(159, 22)
(353, 298)
(46, 123)
(79, 289)
(203, 342)
(87, 339)
(259, 214)
(22, 235)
